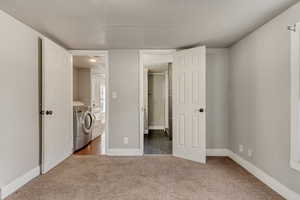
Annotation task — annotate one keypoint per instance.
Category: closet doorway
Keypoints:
(186, 72)
(157, 100)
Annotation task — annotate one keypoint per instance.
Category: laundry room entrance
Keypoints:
(89, 102)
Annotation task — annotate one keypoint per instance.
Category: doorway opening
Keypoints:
(188, 85)
(156, 68)
(89, 102)
(158, 109)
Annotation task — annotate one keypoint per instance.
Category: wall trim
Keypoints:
(258, 173)
(295, 165)
(124, 152)
(105, 54)
(46, 167)
(19, 182)
(294, 106)
(142, 53)
(218, 152)
(265, 178)
(154, 127)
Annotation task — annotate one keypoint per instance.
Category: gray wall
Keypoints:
(75, 84)
(84, 86)
(19, 137)
(124, 110)
(260, 98)
(217, 98)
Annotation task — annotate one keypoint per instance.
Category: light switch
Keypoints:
(250, 152)
(114, 95)
(241, 148)
(125, 140)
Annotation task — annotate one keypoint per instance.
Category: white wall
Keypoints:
(124, 110)
(260, 98)
(217, 67)
(19, 137)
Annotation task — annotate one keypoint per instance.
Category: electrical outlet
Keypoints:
(241, 148)
(125, 140)
(250, 152)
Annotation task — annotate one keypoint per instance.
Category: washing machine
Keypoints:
(83, 122)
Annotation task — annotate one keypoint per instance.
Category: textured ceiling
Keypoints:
(111, 24)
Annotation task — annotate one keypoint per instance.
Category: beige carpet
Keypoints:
(145, 178)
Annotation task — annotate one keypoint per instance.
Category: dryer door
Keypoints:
(87, 122)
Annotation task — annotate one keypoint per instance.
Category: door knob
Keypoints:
(49, 112)
(201, 110)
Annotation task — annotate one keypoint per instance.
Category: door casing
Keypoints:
(157, 54)
(104, 137)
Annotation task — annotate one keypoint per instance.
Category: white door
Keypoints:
(98, 103)
(189, 72)
(57, 130)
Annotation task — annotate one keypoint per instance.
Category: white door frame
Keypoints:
(104, 137)
(295, 96)
(168, 53)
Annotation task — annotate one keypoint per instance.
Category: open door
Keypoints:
(189, 91)
(98, 103)
(57, 130)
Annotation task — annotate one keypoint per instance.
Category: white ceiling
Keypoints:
(84, 62)
(107, 24)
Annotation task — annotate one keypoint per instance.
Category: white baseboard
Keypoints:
(124, 152)
(137, 152)
(156, 127)
(258, 173)
(217, 152)
(265, 178)
(19, 182)
(48, 166)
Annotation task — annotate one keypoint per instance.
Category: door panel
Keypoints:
(98, 103)
(57, 133)
(189, 77)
